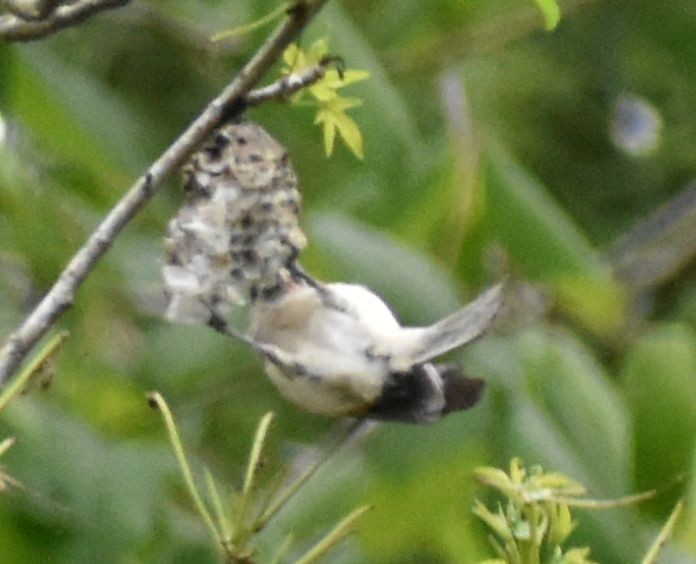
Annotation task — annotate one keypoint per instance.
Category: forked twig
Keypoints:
(15, 28)
(230, 102)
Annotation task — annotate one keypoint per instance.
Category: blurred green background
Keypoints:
(492, 149)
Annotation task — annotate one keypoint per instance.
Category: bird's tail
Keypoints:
(461, 392)
(451, 332)
(426, 393)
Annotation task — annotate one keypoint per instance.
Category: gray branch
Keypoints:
(16, 28)
(286, 86)
(230, 102)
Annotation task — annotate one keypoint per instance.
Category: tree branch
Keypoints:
(229, 103)
(14, 28)
(286, 86)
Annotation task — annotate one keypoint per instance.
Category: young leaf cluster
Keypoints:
(331, 106)
(536, 521)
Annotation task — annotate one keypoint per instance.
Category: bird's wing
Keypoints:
(424, 344)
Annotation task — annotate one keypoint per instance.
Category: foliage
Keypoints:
(331, 106)
(536, 521)
(488, 152)
(551, 11)
(239, 519)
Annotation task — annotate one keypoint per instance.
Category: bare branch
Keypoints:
(228, 104)
(14, 28)
(286, 86)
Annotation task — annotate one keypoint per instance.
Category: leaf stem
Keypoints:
(242, 531)
(156, 400)
(19, 383)
(275, 505)
(336, 535)
(651, 556)
(241, 30)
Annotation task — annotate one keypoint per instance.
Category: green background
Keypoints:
(488, 153)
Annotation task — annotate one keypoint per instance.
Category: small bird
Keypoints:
(332, 349)
(338, 350)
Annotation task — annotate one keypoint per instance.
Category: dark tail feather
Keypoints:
(426, 393)
(461, 392)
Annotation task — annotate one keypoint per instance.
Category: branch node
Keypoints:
(232, 110)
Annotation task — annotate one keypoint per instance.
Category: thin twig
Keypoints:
(269, 18)
(352, 430)
(344, 528)
(157, 401)
(32, 369)
(286, 86)
(665, 533)
(14, 28)
(228, 104)
(625, 501)
(243, 533)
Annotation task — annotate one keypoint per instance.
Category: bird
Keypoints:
(333, 349)
(338, 350)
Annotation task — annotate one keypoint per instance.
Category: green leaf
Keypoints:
(256, 453)
(658, 376)
(495, 478)
(219, 506)
(532, 225)
(329, 129)
(570, 385)
(105, 496)
(417, 511)
(561, 524)
(547, 245)
(297, 59)
(517, 470)
(387, 114)
(7, 444)
(325, 89)
(332, 107)
(78, 116)
(551, 11)
(332, 115)
(344, 528)
(269, 18)
(534, 436)
(318, 50)
(337, 80)
(559, 483)
(495, 521)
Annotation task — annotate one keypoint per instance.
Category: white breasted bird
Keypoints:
(332, 349)
(337, 350)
